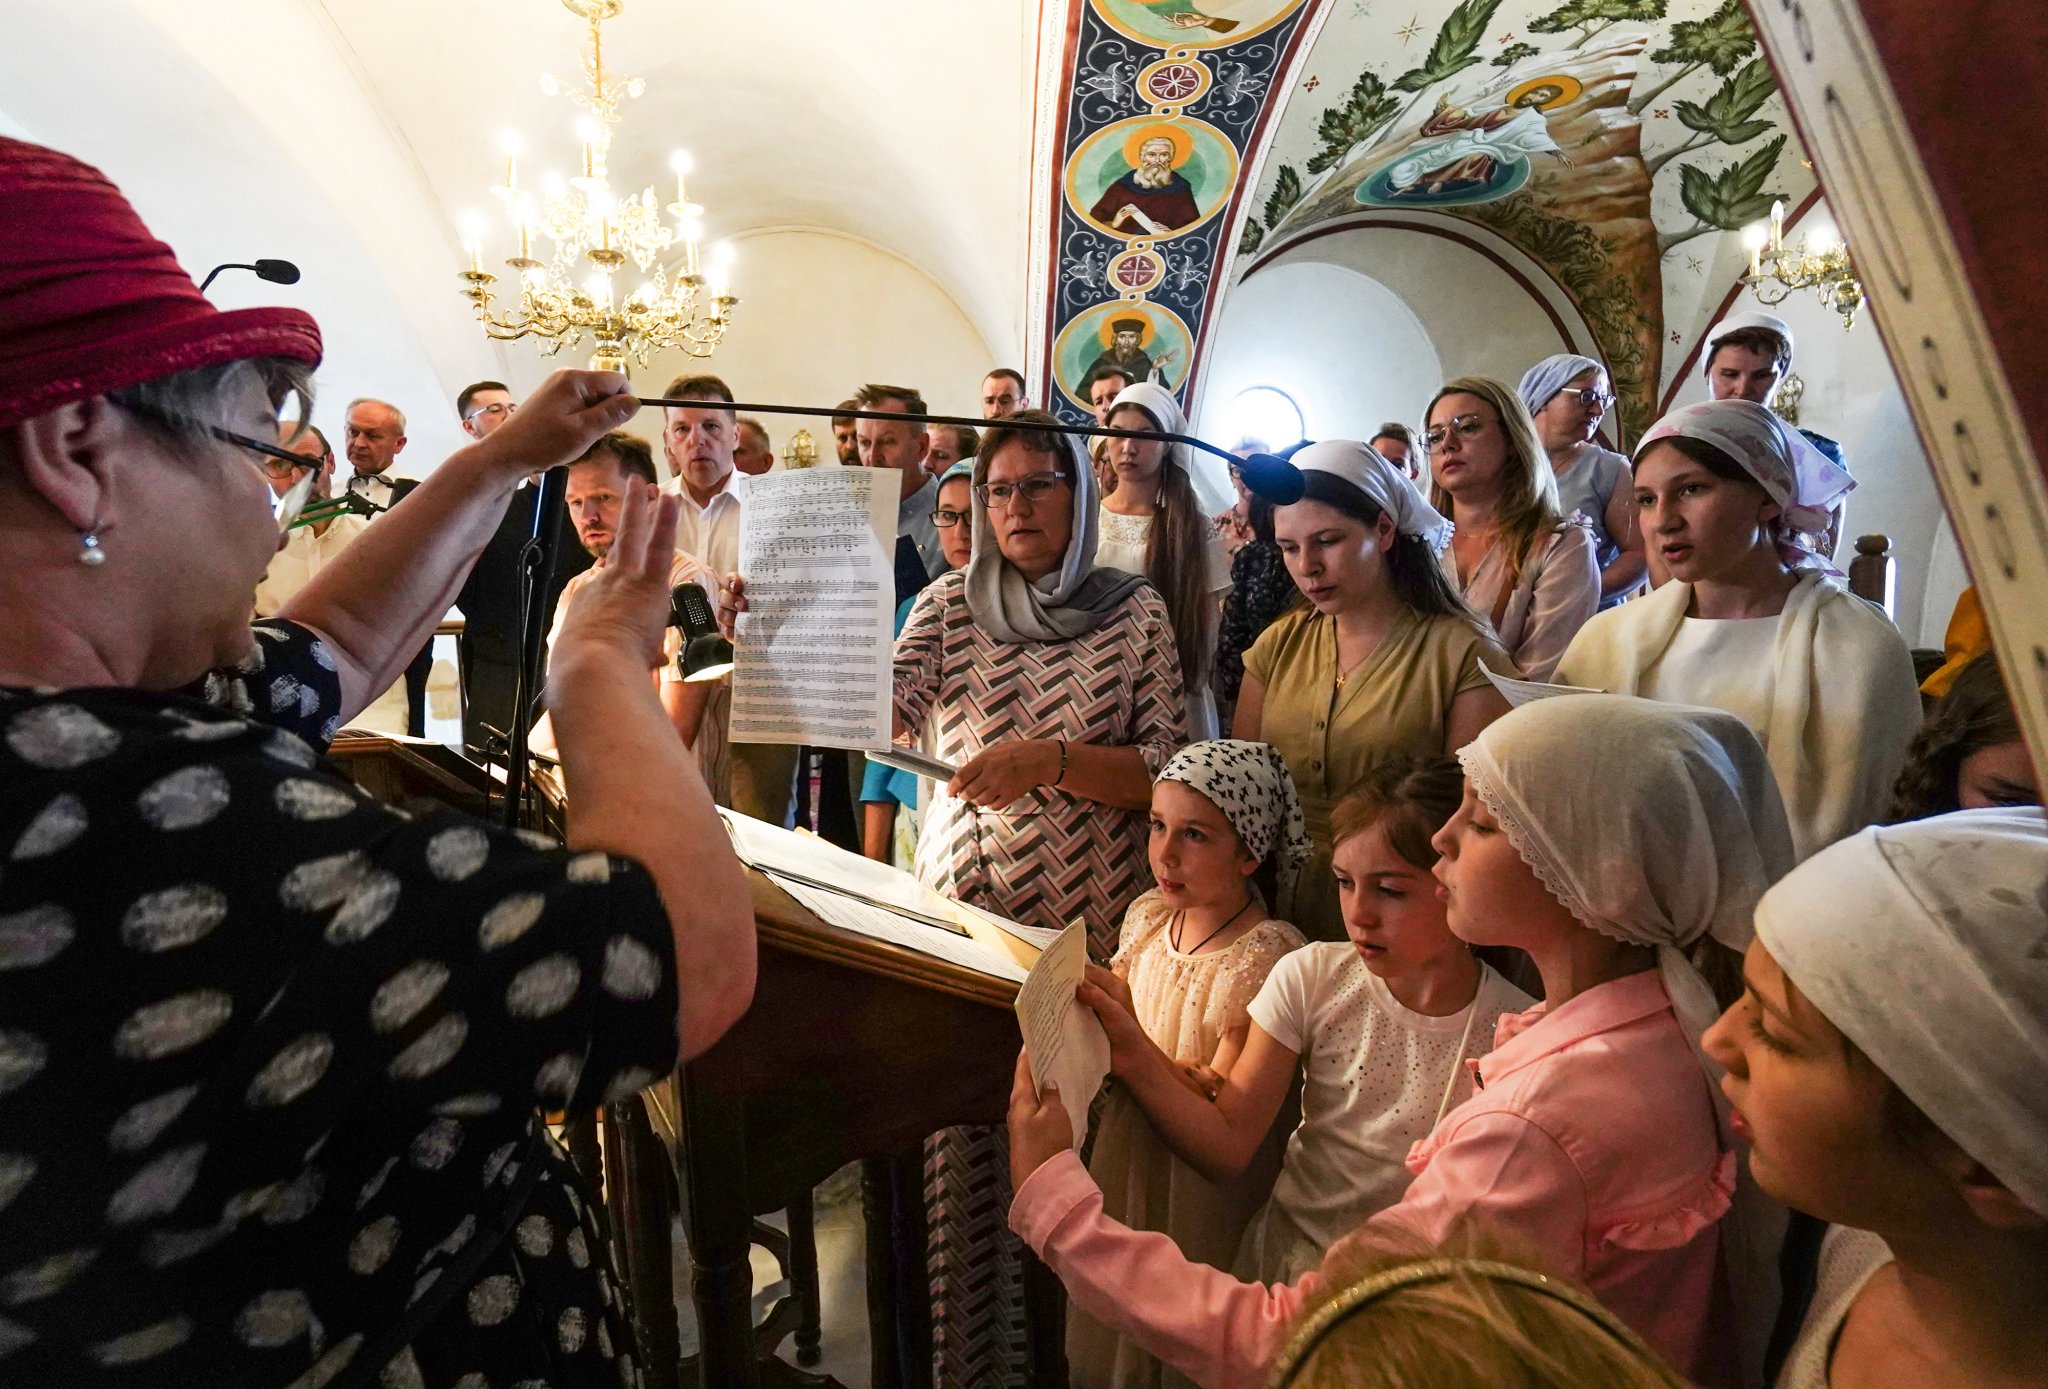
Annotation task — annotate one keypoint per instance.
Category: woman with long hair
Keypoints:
(1753, 621)
(1514, 558)
(1158, 523)
(1379, 658)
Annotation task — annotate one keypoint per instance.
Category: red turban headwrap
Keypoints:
(90, 302)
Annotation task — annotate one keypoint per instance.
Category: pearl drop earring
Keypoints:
(89, 551)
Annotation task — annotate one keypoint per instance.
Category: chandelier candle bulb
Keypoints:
(1778, 226)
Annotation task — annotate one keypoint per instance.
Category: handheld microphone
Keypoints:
(705, 655)
(277, 272)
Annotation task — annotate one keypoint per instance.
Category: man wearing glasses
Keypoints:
(307, 549)
(489, 599)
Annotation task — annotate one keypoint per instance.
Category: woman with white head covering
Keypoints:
(1568, 396)
(1157, 523)
(1379, 659)
(1888, 1065)
(1753, 621)
(1593, 1138)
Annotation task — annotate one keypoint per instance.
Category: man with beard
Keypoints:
(1003, 393)
(1152, 199)
(844, 445)
(1126, 355)
(596, 491)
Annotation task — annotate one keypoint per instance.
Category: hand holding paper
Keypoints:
(1066, 1045)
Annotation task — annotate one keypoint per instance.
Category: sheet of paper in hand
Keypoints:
(813, 655)
(1520, 692)
(1067, 1046)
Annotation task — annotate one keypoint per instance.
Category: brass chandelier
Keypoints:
(683, 298)
(1820, 264)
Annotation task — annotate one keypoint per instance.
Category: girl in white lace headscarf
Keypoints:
(1753, 622)
(1889, 1063)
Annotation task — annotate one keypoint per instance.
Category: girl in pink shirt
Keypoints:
(1603, 835)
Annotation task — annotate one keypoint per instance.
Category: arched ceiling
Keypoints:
(1621, 145)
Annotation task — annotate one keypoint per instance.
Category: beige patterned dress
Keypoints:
(1043, 861)
(1186, 1003)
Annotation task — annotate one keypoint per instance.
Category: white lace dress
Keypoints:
(1186, 1004)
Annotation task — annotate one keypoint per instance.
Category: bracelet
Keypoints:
(1063, 763)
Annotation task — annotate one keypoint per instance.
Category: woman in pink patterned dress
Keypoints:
(1055, 688)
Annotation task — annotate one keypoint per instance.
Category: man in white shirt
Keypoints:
(309, 548)
(699, 442)
(374, 439)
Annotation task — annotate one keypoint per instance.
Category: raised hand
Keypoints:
(559, 422)
(623, 609)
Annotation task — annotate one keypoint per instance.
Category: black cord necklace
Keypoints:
(1180, 920)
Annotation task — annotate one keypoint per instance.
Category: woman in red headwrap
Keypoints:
(272, 1054)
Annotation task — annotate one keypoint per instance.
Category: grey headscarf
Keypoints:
(1070, 602)
(1542, 382)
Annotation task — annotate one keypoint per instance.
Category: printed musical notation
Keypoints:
(814, 651)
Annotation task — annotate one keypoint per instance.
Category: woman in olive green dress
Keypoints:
(1381, 657)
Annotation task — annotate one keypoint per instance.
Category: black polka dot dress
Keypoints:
(272, 1054)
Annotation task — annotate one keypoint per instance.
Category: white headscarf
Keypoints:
(1542, 382)
(1655, 824)
(1248, 782)
(1209, 474)
(1380, 480)
(1735, 323)
(1927, 945)
(1803, 481)
(1074, 599)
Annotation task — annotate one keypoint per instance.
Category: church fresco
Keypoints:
(1145, 340)
(1159, 103)
(1568, 137)
(1151, 179)
(1194, 23)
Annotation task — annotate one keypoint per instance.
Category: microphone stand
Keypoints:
(1257, 463)
(537, 575)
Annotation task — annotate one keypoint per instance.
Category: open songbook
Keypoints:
(883, 902)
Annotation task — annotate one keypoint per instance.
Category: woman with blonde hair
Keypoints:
(1394, 1316)
(1514, 557)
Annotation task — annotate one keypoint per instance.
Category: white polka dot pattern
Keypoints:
(57, 737)
(57, 827)
(185, 799)
(293, 1071)
(146, 1344)
(492, 1300)
(173, 917)
(21, 1058)
(400, 998)
(631, 970)
(455, 855)
(157, 1030)
(543, 988)
(303, 798)
(142, 1123)
(158, 1188)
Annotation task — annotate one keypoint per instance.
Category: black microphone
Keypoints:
(1274, 470)
(278, 272)
(705, 655)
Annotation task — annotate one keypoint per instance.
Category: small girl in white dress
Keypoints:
(1193, 954)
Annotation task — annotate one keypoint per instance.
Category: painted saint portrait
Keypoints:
(1194, 23)
(1463, 156)
(1148, 179)
(1145, 341)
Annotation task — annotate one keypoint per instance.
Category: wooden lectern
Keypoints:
(854, 1048)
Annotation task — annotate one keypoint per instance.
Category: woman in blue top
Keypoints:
(885, 788)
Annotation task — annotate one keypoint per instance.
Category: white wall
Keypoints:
(1853, 396)
(1345, 347)
(824, 314)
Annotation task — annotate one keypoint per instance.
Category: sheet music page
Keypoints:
(813, 660)
(808, 858)
(1067, 1046)
(882, 924)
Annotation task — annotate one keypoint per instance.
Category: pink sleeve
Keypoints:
(1507, 1173)
(919, 648)
(1567, 593)
(1215, 1330)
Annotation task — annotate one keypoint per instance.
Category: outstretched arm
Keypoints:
(377, 603)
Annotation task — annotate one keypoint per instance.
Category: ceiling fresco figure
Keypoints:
(1475, 152)
(1152, 199)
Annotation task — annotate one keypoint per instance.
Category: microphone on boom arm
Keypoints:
(278, 272)
(1268, 474)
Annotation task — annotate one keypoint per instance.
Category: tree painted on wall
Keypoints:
(1594, 17)
(1726, 201)
(1721, 41)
